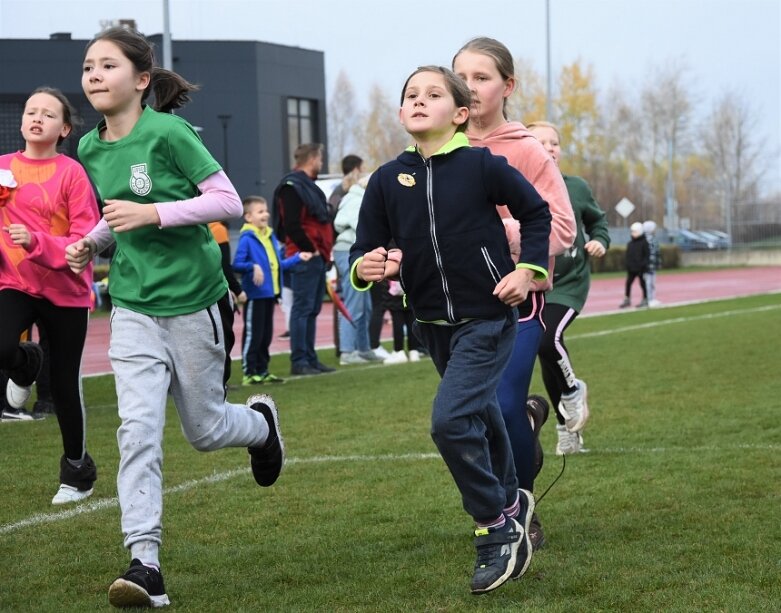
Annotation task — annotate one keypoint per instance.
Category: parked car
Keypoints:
(724, 239)
(691, 241)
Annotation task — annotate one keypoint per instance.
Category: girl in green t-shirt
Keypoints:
(172, 318)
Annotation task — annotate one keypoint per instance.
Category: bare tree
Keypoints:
(380, 136)
(729, 137)
(342, 116)
(527, 102)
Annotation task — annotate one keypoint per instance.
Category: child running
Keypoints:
(260, 262)
(47, 202)
(437, 202)
(172, 315)
(488, 69)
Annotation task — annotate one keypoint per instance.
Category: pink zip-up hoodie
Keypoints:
(54, 199)
(515, 142)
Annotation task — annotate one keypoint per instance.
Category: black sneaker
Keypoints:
(536, 534)
(322, 367)
(497, 552)
(11, 414)
(140, 586)
(267, 461)
(526, 502)
(537, 409)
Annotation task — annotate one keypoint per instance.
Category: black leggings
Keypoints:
(557, 372)
(404, 318)
(66, 328)
(630, 277)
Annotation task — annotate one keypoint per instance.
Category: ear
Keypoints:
(66, 129)
(401, 119)
(143, 80)
(509, 87)
(461, 115)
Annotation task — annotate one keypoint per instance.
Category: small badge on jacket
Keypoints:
(406, 180)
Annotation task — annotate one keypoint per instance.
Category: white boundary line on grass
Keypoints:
(110, 503)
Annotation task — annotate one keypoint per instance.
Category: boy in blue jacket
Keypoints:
(260, 262)
(437, 202)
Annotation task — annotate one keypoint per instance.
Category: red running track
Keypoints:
(605, 296)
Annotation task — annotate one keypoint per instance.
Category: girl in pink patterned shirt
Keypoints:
(47, 202)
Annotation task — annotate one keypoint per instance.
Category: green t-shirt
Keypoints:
(157, 271)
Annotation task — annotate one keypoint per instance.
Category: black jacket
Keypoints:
(638, 255)
(441, 212)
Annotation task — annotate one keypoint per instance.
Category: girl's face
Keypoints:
(549, 139)
(43, 120)
(488, 87)
(110, 80)
(428, 108)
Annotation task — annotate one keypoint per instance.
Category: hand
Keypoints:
(257, 275)
(19, 234)
(514, 287)
(305, 255)
(372, 267)
(241, 298)
(594, 249)
(79, 254)
(123, 215)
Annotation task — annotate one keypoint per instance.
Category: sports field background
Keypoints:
(676, 507)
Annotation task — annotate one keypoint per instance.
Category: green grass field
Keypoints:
(677, 507)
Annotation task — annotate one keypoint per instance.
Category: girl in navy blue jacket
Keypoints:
(437, 201)
(260, 262)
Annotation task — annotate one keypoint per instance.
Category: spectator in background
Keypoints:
(353, 336)
(304, 223)
(654, 261)
(258, 259)
(352, 167)
(638, 256)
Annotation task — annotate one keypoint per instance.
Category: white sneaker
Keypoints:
(370, 356)
(16, 395)
(414, 355)
(381, 352)
(569, 442)
(574, 408)
(68, 493)
(353, 357)
(397, 357)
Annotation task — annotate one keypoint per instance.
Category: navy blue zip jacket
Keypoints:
(441, 212)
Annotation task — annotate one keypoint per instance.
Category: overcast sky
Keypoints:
(726, 45)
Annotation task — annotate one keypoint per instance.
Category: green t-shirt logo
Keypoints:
(140, 183)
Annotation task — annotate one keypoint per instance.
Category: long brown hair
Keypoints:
(172, 91)
(498, 52)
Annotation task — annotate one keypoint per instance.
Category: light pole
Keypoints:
(168, 60)
(224, 119)
(548, 100)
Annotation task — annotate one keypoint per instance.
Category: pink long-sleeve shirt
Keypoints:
(54, 199)
(525, 153)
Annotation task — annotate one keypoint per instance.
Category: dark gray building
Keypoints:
(257, 102)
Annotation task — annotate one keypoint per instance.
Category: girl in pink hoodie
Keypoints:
(46, 202)
(487, 67)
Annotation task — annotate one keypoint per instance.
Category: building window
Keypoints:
(301, 123)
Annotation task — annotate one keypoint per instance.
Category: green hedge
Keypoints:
(614, 259)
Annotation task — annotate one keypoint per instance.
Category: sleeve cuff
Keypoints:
(540, 274)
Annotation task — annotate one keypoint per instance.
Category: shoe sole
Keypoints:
(124, 593)
(527, 522)
(268, 402)
(71, 497)
(584, 415)
(514, 547)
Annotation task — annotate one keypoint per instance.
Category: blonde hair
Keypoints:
(544, 124)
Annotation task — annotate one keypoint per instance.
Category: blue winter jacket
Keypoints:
(251, 251)
(441, 212)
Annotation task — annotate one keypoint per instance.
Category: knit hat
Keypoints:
(636, 228)
(649, 227)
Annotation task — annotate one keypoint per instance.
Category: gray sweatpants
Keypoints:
(150, 356)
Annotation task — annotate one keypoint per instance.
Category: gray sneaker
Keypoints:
(525, 516)
(497, 553)
(574, 407)
(569, 442)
